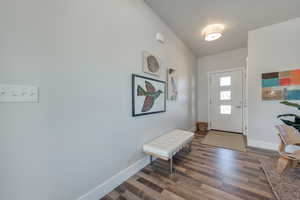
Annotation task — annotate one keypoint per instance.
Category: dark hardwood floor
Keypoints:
(206, 173)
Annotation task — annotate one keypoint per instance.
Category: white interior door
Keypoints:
(226, 101)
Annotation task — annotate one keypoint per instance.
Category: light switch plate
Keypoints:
(18, 93)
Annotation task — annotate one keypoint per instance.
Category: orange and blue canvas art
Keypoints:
(281, 85)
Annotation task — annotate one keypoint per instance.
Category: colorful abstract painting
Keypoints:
(281, 85)
(148, 95)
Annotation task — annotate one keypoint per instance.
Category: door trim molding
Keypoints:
(245, 97)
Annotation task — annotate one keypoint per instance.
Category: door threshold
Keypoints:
(226, 131)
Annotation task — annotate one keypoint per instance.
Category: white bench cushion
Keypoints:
(169, 144)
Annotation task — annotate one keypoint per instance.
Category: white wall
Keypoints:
(270, 49)
(81, 54)
(229, 59)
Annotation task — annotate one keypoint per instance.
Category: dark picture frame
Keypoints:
(155, 95)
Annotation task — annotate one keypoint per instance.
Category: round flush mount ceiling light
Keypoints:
(213, 32)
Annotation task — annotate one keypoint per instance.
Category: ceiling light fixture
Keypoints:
(213, 32)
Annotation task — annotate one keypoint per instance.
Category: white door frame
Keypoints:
(245, 99)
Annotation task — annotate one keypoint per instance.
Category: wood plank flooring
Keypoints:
(206, 173)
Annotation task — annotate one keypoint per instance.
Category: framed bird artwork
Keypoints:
(148, 95)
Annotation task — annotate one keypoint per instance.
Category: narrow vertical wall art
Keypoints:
(172, 84)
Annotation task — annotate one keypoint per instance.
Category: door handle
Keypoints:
(239, 107)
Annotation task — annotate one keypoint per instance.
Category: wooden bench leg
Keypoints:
(171, 165)
(282, 164)
(151, 160)
(190, 146)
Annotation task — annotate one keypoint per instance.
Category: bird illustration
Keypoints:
(151, 95)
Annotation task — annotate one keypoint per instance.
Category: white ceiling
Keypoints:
(188, 17)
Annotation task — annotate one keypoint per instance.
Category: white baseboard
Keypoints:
(262, 145)
(113, 182)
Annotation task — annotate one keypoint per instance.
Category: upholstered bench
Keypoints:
(167, 145)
